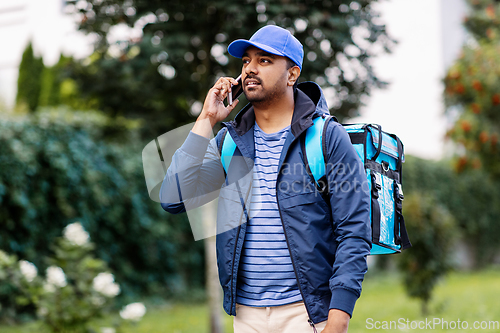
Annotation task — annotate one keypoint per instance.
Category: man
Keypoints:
(298, 261)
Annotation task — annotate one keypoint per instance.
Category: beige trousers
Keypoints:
(289, 318)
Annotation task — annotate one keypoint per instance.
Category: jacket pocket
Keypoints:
(300, 199)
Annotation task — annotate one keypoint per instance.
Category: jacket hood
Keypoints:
(315, 93)
(309, 104)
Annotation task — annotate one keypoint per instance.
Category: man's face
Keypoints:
(264, 75)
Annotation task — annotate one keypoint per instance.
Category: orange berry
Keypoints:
(490, 11)
(461, 163)
(466, 126)
(495, 99)
(494, 139)
(476, 108)
(483, 137)
(459, 88)
(477, 85)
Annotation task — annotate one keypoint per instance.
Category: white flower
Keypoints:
(76, 234)
(50, 288)
(105, 284)
(28, 270)
(113, 290)
(42, 312)
(133, 311)
(97, 300)
(108, 330)
(4, 257)
(56, 277)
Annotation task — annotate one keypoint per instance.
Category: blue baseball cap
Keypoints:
(272, 39)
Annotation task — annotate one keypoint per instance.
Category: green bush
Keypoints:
(77, 287)
(12, 305)
(75, 290)
(59, 166)
(433, 234)
(471, 197)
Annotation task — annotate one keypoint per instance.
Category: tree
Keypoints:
(164, 74)
(470, 197)
(432, 233)
(473, 91)
(50, 87)
(30, 79)
(58, 88)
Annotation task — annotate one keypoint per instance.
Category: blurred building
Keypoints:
(45, 24)
(430, 36)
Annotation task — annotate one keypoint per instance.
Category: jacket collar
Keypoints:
(309, 103)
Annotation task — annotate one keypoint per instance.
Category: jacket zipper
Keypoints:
(312, 325)
(233, 277)
(291, 257)
(233, 298)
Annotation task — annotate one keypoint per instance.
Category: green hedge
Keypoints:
(472, 198)
(59, 166)
(433, 234)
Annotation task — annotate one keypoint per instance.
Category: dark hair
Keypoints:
(290, 63)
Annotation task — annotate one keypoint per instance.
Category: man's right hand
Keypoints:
(214, 109)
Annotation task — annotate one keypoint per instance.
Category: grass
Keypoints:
(461, 296)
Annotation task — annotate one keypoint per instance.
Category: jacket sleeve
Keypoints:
(194, 176)
(350, 207)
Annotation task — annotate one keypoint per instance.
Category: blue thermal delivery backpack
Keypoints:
(383, 155)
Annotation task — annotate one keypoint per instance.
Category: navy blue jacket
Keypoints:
(328, 235)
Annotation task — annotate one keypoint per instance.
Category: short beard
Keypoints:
(267, 97)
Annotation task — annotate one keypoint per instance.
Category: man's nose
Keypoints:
(251, 68)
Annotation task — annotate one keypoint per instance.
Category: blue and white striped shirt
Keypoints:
(266, 276)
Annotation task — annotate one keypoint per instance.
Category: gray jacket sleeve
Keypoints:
(194, 176)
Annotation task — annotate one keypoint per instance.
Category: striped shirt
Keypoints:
(266, 276)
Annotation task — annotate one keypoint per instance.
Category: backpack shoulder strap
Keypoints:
(227, 149)
(315, 149)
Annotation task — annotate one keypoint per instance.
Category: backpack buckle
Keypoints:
(399, 190)
(376, 181)
(376, 184)
(385, 166)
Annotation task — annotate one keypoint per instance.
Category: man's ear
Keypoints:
(293, 75)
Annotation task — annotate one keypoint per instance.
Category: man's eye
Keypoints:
(265, 60)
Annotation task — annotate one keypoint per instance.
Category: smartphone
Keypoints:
(235, 92)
